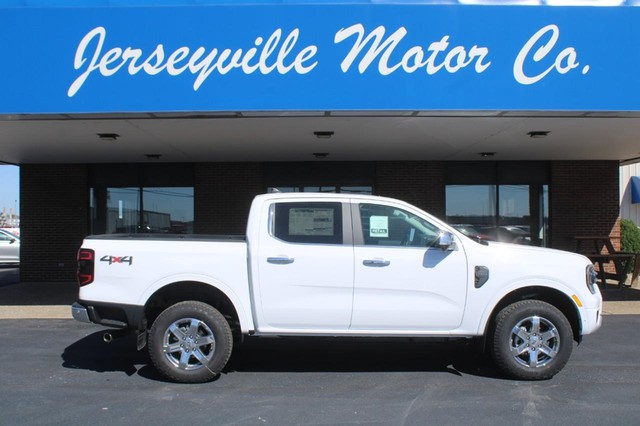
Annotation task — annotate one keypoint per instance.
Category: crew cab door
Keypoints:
(403, 281)
(305, 266)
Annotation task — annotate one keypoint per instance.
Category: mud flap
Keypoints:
(141, 335)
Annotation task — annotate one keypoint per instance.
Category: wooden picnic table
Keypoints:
(620, 260)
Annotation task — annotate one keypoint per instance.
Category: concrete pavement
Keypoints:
(53, 300)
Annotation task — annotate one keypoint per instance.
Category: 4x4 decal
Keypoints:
(117, 259)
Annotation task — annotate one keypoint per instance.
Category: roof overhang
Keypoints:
(291, 136)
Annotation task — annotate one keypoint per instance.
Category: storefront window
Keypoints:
(367, 190)
(168, 210)
(327, 189)
(472, 204)
(507, 213)
(142, 210)
(123, 210)
(328, 177)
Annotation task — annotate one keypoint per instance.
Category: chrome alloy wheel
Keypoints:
(534, 342)
(188, 344)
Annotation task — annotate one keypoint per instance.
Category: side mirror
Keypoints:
(446, 241)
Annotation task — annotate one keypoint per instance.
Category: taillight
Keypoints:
(85, 266)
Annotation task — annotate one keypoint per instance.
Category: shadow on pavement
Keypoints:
(28, 294)
(92, 353)
(360, 355)
(287, 355)
(625, 294)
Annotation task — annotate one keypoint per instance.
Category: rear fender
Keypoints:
(244, 316)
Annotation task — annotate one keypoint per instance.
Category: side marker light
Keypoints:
(577, 300)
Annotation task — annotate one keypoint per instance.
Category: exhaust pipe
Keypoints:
(110, 336)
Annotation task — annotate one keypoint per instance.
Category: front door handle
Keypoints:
(376, 263)
(283, 260)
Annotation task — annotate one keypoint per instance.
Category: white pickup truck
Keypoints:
(336, 265)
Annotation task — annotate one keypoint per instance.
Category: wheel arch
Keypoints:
(549, 295)
(183, 291)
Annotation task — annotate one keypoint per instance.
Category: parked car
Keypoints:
(9, 248)
(471, 232)
(14, 231)
(503, 234)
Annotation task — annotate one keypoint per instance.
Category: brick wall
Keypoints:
(584, 201)
(54, 204)
(420, 183)
(53, 221)
(223, 194)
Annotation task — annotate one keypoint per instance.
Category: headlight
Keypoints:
(592, 278)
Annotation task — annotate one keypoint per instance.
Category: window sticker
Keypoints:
(311, 221)
(379, 226)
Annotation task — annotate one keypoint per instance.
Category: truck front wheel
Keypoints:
(532, 340)
(190, 342)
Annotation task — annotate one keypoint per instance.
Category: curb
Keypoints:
(35, 312)
(621, 308)
(64, 311)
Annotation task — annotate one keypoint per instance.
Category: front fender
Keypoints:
(505, 292)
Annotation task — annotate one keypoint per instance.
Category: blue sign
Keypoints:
(307, 56)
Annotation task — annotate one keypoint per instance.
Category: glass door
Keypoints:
(514, 216)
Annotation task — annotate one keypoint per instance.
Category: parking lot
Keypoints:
(60, 371)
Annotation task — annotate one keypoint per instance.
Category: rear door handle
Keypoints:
(376, 263)
(282, 260)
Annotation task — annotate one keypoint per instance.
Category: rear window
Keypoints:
(316, 223)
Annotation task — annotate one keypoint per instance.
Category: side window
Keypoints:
(316, 223)
(390, 226)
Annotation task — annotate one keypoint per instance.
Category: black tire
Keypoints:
(197, 339)
(532, 340)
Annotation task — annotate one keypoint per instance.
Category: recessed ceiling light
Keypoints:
(323, 134)
(486, 154)
(538, 134)
(108, 136)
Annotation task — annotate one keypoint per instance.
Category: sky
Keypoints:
(9, 188)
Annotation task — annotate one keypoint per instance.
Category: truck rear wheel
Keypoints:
(190, 342)
(532, 340)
